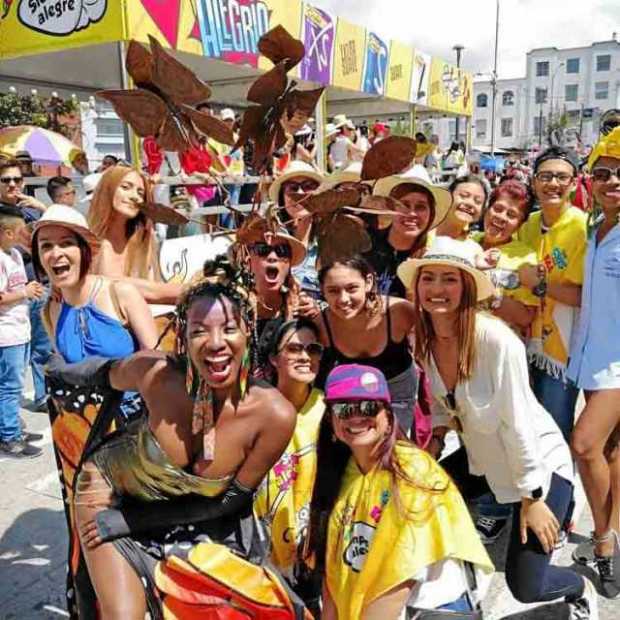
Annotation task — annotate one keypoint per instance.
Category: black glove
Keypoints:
(92, 372)
(131, 519)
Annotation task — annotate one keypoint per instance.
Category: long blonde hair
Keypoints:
(466, 328)
(141, 258)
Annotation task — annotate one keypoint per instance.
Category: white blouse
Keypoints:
(509, 437)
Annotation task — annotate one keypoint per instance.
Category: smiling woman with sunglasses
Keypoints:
(388, 527)
(283, 499)
(595, 368)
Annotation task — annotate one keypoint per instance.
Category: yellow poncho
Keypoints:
(283, 500)
(373, 545)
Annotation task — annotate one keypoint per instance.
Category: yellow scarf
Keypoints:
(562, 250)
(283, 500)
(374, 545)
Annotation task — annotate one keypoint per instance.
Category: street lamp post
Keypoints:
(551, 105)
(494, 83)
(458, 48)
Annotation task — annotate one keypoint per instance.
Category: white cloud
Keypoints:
(435, 26)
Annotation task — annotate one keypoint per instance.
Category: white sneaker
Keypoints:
(585, 607)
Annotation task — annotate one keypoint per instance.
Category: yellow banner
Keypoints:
(287, 13)
(349, 55)
(36, 26)
(399, 71)
(450, 88)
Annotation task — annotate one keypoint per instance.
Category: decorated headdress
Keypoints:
(607, 146)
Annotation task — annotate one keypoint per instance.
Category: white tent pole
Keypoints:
(320, 117)
(127, 132)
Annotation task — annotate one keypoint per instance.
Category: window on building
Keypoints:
(508, 97)
(541, 95)
(109, 127)
(601, 90)
(506, 128)
(481, 128)
(572, 65)
(482, 100)
(570, 92)
(603, 63)
(573, 117)
(539, 125)
(542, 68)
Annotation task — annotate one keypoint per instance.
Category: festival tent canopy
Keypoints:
(78, 45)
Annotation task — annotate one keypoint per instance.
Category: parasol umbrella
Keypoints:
(44, 146)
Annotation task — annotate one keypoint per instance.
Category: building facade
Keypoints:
(564, 91)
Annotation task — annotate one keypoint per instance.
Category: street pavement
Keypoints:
(33, 546)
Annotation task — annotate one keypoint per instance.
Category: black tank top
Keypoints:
(392, 361)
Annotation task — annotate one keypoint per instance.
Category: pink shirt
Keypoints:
(14, 317)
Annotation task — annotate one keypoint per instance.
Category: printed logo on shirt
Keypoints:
(557, 258)
(359, 545)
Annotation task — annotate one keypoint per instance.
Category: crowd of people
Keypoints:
(285, 454)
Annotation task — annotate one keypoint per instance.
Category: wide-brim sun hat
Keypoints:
(418, 175)
(298, 249)
(451, 253)
(340, 120)
(330, 130)
(68, 217)
(351, 174)
(295, 169)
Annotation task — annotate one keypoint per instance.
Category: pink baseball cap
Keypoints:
(354, 382)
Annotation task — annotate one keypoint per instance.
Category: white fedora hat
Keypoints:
(68, 217)
(351, 174)
(418, 175)
(453, 253)
(295, 169)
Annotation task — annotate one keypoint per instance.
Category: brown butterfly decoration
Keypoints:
(163, 104)
(281, 107)
(336, 211)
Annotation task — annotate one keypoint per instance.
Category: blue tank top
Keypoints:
(85, 331)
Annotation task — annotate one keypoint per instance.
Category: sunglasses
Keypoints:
(563, 178)
(7, 180)
(304, 187)
(602, 175)
(314, 349)
(262, 249)
(358, 409)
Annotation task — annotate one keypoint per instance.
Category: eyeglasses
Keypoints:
(358, 409)
(303, 187)
(7, 180)
(602, 175)
(563, 178)
(262, 249)
(314, 349)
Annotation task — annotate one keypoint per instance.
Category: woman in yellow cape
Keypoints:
(283, 499)
(387, 525)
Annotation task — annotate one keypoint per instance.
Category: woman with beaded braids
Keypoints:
(150, 498)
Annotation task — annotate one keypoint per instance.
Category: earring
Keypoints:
(334, 438)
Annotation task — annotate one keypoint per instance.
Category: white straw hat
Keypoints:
(351, 174)
(68, 217)
(295, 169)
(418, 175)
(453, 253)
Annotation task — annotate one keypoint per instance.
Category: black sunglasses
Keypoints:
(314, 349)
(304, 187)
(356, 409)
(602, 175)
(15, 180)
(262, 249)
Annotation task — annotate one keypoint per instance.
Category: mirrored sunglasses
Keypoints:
(357, 409)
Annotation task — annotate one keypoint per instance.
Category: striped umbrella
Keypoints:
(44, 146)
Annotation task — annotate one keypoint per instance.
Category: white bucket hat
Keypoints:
(295, 169)
(68, 217)
(418, 175)
(452, 253)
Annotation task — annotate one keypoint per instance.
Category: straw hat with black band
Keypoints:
(68, 217)
(417, 175)
(298, 249)
(451, 253)
(295, 169)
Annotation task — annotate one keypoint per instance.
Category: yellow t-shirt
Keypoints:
(562, 250)
(377, 542)
(283, 499)
(505, 276)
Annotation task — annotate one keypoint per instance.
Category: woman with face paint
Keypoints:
(595, 367)
(184, 475)
(511, 446)
(388, 527)
(128, 246)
